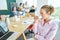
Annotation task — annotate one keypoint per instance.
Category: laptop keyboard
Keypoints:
(12, 37)
(6, 36)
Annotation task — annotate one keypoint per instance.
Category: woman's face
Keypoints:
(44, 14)
(14, 8)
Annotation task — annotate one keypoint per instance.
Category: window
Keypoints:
(3, 5)
(55, 3)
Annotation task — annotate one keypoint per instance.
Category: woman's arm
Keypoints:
(36, 23)
(35, 27)
(50, 35)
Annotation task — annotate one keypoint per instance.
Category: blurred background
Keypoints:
(27, 5)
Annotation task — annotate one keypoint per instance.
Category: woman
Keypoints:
(14, 9)
(45, 28)
(20, 7)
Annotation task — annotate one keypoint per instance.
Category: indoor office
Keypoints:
(29, 20)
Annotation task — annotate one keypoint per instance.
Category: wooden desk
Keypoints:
(18, 27)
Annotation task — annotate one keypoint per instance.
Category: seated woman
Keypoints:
(14, 10)
(21, 11)
(20, 7)
(45, 28)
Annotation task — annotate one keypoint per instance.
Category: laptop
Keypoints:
(6, 33)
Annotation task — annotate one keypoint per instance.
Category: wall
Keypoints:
(39, 4)
(19, 1)
(9, 8)
(57, 13)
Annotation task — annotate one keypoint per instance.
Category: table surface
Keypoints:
(21, 25)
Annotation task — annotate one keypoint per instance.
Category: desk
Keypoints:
(18, 26)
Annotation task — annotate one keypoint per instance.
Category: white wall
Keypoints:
(39, 4)
(55, 3)
(19, 1)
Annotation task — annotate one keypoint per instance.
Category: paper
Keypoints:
(29, 21)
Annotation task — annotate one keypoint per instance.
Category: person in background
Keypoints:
(21, 10)
(45, 28)
(26, 7)
(32, 9)
(14, 10)
(20, 7)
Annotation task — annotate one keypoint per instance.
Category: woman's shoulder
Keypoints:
(54, 23)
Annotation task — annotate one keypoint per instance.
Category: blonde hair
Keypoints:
(48, 8)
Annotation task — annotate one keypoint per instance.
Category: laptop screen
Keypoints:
(3, 27)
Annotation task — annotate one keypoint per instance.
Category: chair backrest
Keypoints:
(3, 17)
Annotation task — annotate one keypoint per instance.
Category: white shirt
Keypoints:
(45, 32)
